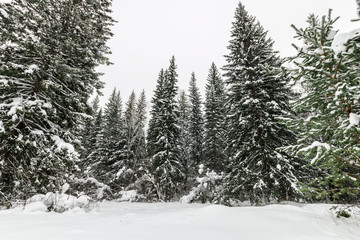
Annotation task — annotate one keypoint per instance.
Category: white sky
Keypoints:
(197, 32)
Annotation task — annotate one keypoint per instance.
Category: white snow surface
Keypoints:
(175, 221)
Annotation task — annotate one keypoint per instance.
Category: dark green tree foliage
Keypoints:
(48, 55)
(195, 128)
(214, 122)
(329, 132)
(257, 97)
(166, 162)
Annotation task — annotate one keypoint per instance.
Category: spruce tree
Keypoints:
(140, 143)
(93, 159)
(166, 162)
(112, 167)
(154, 122)
(195, 128)
(134, 123)
(130, 130)
(87, 135)
(257, 97)
(184, 112)
(47, 76)
(214, 122)
(329, 130)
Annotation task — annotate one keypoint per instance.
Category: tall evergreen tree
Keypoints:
(130, 130)
(141, 106)
(257, 97)
(47, 76)
(329, 131)
(154, 122)
(87, 134)
(214, 122)
(166, 162)
(94, 156)
(195, 127)
(112, 164)
(184, 112)
(135, 151)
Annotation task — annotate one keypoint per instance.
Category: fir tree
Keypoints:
(130, 130)
(257, 97)
(166, 162)
(184, 112)
(195, 127)
(141, 106)
(154, 122)
(214, 122)
(47, 76)
(329, 131)
(87, 135)
(134, 121)
(112, 166)
(93, 159)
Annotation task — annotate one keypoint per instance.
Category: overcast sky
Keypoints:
(196, 32)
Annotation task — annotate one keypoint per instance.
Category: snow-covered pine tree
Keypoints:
(93, 159)
(184, 111)
(195, 128)
(134, 123)
(257, 97)
(130, 133)
(47, 74)
(154, 122)
(140, 143)
(328, 68)
(166, 162)
(87, 134)
(214, 122)
(112, 165)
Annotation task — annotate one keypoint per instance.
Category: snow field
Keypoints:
(175, 221)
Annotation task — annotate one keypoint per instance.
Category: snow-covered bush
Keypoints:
(142, 190)
(129, 196)
(346, 211)
(93, 188)
(207, 189)
(57, 202)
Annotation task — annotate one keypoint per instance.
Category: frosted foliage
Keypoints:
(328, 114)
(61, 144)
(340, 40)
(354, 119)
(4, 13)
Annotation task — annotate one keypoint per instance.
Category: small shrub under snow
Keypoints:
(205, 191)
(129, 196)
(57, 202)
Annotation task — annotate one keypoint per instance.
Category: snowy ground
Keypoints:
(172, 221)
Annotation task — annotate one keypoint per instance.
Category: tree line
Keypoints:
(252, 138)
